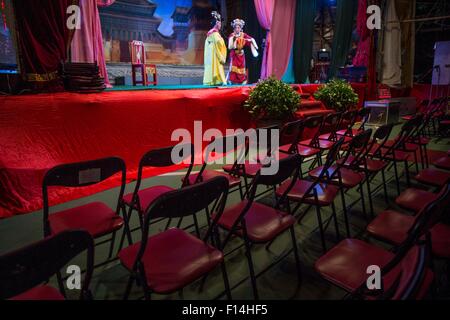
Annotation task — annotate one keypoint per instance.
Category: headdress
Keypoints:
(238, 22)
(216, 16)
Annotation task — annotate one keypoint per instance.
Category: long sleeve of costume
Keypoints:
(215, 58)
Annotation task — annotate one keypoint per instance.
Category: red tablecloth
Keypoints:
(38, 132)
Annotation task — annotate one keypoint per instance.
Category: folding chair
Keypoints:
(170, 260)
(393, 227)
(140, 199)
(23, 272)
(318, 193)
(219, 147)
(345, 265)
(95, 217)
(257, 223)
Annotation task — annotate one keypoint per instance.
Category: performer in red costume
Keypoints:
(237, 41)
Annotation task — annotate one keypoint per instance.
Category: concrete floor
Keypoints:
(278, 283)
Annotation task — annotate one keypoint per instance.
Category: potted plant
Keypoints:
(272, 102)
(338, 95)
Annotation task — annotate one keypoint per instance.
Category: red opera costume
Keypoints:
(237, 42)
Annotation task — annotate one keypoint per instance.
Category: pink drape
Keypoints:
(283, 29)
(361, 58)
(277, 20)
(264, 11)
(87, 43)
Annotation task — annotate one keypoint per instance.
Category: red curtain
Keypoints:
(43, 39)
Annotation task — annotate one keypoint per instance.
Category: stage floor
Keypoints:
(172, 87)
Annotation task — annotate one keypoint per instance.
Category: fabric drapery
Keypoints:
(43, 40)
(264, 11)
(406, 10)
(283, 29)
(87, 43)
(361, 58)
(345, 16)
(278, 21)
(305, 14)
(391, 71)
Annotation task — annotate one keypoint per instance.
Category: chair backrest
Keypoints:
(357, 149)
(364, 114)
(407, 130)
(291, 134)
(186, 202)
(235, 146)
(407, 280)
(287, 168)
(165, 157)
(28, 267)
(137, 50)
(331, 158)
(380, 137)
(82, 174)
(414, 268)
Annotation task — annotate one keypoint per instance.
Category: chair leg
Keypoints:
(369, 195)
(197, 228)
(363, 200)
(427, 159)
(226, 282)
(336, 225)
(251, 269)
(322, 232)
(386, 198)
(397, 178)
(297, 258)
(61, 283)
(111, 247)
(344, 206)
(131, 280)
(408, 180)
(417, 162)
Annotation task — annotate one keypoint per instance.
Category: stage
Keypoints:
(40, 131)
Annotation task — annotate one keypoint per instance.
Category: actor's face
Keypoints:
(237, 29)
(219, 25)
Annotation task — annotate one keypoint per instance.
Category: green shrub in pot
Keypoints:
(338, 95)
(272, 99)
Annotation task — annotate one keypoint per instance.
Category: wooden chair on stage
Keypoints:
(138, 64)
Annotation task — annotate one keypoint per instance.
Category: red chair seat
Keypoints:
(251, 169)
(391, 226)
(172, 260)
(346, 264)
(445, 122)
(410, 147)
(443, 163)
(312, 112)
(375, 165)
(263, 223)
(399, 155)
(350, 178)
(209, 174)
(328, 135)
(96, 218)
(146, 196)
(306, 152)
(433, 177)
(43, 293)
(415, 199)
(345, 132)
(323, 144)
(421, 141)
(325, 193)
(440, 239)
